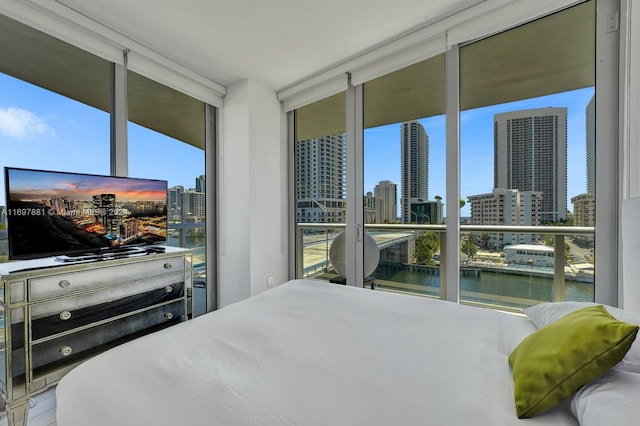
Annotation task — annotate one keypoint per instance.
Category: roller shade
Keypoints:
(549, 55)
(312, 91)
(399, 60)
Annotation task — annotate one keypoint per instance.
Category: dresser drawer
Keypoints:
(74, 318)
(61, 284)
(74, 302)
(56, 353)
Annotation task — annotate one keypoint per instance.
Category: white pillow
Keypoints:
(548, 312)
(612, 399)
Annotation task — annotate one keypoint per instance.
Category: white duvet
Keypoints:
(310, 353)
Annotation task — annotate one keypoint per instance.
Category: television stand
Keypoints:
(56, 315)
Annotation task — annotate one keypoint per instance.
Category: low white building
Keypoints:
(507, 207)
(529, 254)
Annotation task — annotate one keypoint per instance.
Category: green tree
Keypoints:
(469, 247)
(427, 245)
(485, 240)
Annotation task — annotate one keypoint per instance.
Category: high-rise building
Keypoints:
(386, 195)
(193, 206)
(584, 214)
(584, 210)
(530, 154)
(176, 200)
(591, 145)
(200, 184)
(507, 207)
(369, 205)
(321, 186)
(414, 167)
(429, 212)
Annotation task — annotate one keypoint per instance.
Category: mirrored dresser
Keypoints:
(56, 314)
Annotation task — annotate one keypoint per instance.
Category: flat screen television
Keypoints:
(53, 213)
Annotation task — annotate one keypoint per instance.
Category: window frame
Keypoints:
(606, 62)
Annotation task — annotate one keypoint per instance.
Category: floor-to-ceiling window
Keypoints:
(405, 174)
(166, 140)
(56, 103)
(527, 158)
(525, 114)
(320, 188)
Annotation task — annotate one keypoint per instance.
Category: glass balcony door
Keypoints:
(508, 122)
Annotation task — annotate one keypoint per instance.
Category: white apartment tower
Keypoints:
(321, 185)
(193, 206)
(584, 210)
(386, 195)
(414, 167)
(507, 207)
(176, 201)
(201, 184)
(530, 154)
(369, 205)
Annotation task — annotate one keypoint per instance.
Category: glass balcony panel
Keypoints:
(519, 275)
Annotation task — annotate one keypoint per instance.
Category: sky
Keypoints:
(43, 130)
(382, 147)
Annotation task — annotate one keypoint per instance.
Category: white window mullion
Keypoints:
(119, 118)
(451, 285)
(211, 213)
(355, 185)
(607, 188)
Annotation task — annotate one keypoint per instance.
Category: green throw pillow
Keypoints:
(554, 362)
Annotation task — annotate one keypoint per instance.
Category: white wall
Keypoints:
(268, 178)
(630, 140)
(252, 192)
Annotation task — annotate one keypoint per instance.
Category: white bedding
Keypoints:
(310, 353)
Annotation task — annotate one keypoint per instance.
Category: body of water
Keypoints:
(518, 291)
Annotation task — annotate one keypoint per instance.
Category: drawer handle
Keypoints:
(65, 315)
(66, 350)
(64, 284)
(168, 315)
(168, 289)
(167, 266)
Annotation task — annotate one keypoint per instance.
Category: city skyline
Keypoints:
(476, 147)
(33, 119)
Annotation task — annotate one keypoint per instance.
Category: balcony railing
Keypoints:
(487, 266)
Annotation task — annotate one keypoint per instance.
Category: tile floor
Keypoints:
(43, 413)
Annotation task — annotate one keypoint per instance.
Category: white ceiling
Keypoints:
(275, 42)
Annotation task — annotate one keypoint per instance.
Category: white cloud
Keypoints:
(19, 123)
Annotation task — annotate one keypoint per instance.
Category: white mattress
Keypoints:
(310, 353)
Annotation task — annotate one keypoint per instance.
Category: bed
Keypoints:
(313, 353)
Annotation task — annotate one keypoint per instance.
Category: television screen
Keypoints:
(52, 213)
